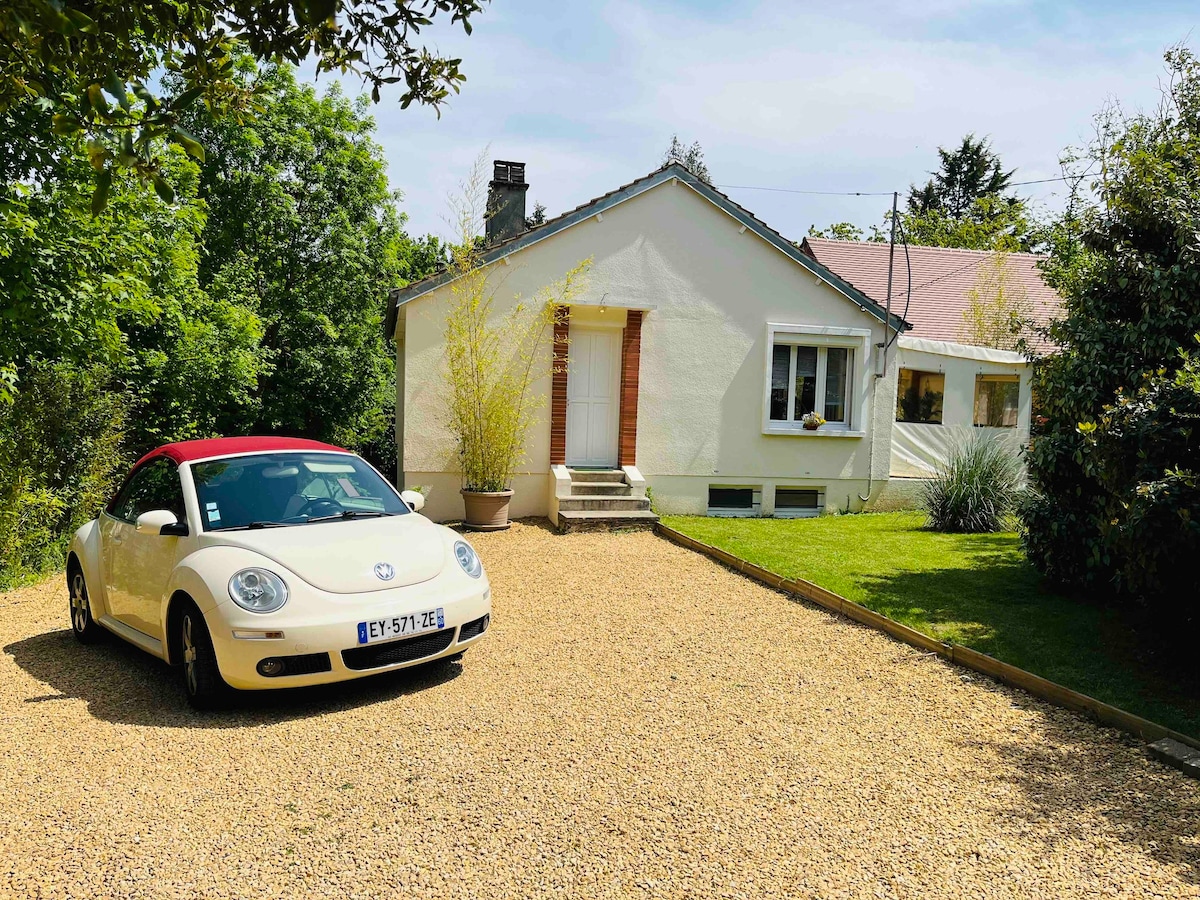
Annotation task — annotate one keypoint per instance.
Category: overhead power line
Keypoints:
(750, 187)
(754, 187)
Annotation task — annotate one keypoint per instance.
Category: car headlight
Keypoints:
(468, 559)
(258, 590)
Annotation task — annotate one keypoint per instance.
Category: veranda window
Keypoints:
(919, 397)
(996, 400)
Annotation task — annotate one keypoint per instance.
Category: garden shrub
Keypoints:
(1145, 453)
(59, 462)
(1113, 468)
(975, 489)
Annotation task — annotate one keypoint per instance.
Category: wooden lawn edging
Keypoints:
(1043, 688)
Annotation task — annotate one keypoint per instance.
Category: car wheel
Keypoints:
(83, 626)
(201, 678)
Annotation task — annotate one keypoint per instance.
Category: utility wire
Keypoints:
(973, 263)
(752, 187)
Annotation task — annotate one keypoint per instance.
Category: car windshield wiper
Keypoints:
(255, 525)
(353, 514)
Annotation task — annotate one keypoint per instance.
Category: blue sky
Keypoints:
(851, 96)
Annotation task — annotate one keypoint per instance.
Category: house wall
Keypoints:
(709, 292)
(916, 447)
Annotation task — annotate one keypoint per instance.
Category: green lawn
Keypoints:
(973, 589)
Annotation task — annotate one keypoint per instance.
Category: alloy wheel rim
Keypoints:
(79, 604)
(189, 654)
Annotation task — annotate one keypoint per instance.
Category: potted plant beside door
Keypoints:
(493, 359)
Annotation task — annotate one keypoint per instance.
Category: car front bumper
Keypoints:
(319, 643)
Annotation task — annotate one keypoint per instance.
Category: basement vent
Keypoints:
(798, 503)
(734, 500)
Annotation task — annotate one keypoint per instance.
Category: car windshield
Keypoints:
(276, 489)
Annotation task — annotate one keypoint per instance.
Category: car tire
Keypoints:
(83, 626)
(202, 682)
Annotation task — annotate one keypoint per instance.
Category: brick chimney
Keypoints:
(506, 201)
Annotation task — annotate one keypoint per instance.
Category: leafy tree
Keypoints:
(963, 204)
(838, 231)
(120, 290)
(691, 158)
(991, 223)
(99, 318)
(303, 229)
(1114, 503)
(967, 174)
(86, 63)
(847, 231)
(538, 217)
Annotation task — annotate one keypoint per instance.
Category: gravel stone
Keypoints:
(639, 722)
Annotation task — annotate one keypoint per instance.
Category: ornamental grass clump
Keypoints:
(976, 489)
(492, 358)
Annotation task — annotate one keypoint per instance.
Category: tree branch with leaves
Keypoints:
(89, 65)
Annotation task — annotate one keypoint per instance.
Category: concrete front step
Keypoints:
(600, 488)
(601, 520)
(610, 504)
(594, 475)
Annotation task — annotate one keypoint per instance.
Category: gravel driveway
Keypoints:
(641, 722)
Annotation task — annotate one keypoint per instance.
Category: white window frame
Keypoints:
(821, 337)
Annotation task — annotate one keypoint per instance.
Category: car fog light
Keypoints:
(270, 667)
(258, 635)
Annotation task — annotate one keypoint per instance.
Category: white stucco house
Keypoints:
(700, 340)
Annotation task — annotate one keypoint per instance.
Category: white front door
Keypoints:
(593, 396)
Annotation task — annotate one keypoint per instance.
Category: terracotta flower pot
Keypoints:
(813, 427)
(486, 510)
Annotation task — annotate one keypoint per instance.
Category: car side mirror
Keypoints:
(414, 500)
(160, 521)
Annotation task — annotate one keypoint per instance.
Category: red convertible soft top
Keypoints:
(186, 451)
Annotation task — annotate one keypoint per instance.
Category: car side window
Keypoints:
(154, 486)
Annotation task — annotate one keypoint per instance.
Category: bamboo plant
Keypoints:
(493, 360)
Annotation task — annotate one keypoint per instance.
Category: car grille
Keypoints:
(373, 657)
(474, 629)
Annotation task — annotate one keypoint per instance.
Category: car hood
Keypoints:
(340, 556)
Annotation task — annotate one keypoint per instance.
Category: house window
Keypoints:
(919, 397)
(996, 399)
(734, 500)
(808, 379)
(797, 503)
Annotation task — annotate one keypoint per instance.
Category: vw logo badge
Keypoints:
(385, 571)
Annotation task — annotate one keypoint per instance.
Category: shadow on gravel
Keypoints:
(121, 684)
(1066, 775)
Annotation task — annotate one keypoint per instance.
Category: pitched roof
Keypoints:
(941, 280)
(400, 296)
(186, 451)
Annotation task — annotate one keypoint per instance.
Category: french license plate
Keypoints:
(401, 626)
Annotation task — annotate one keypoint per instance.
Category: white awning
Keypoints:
(963, 351)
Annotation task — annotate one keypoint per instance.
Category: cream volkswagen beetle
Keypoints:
(273, 562)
